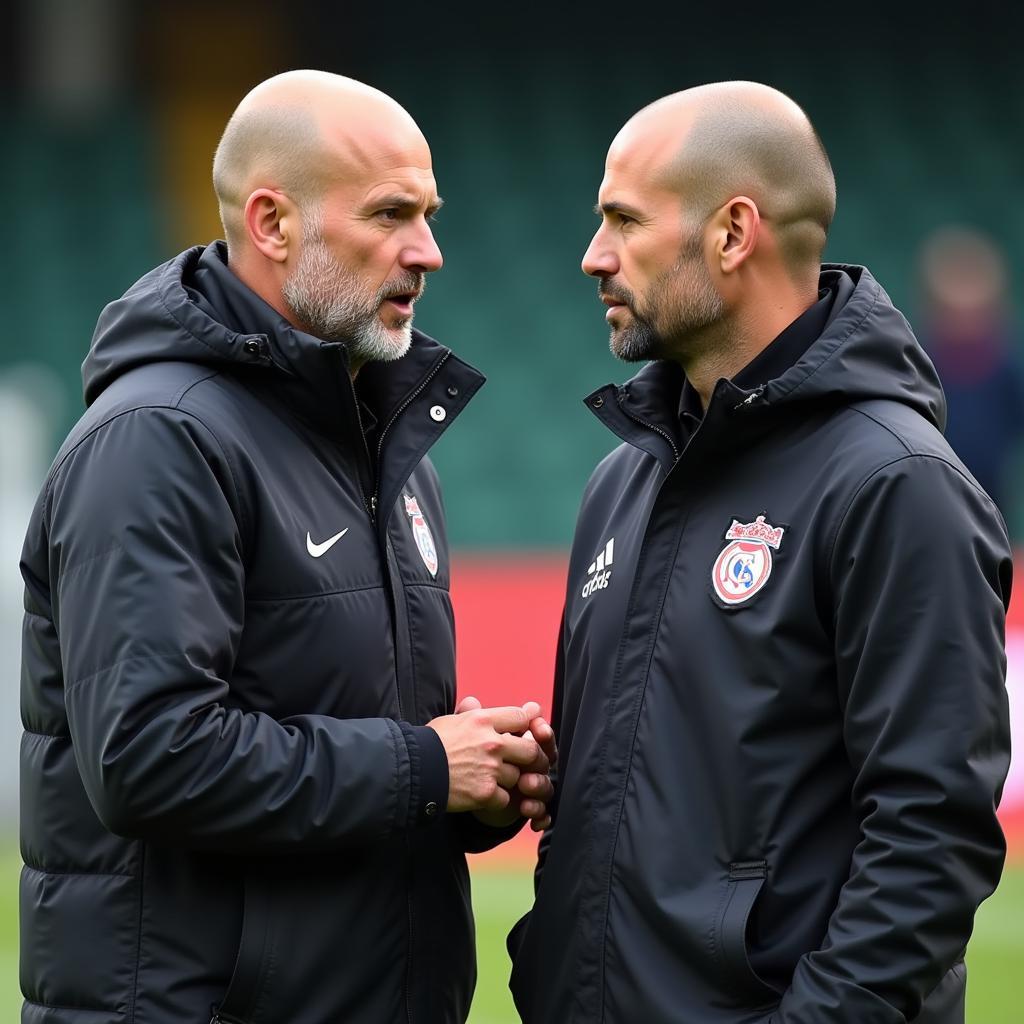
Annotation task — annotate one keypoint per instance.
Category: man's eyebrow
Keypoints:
(401, 201)
(615, 207)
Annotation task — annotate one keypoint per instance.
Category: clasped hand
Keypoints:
(498, 762)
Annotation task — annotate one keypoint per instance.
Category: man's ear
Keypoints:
(736, 225)
(271, 221)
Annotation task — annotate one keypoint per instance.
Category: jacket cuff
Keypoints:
(476, 837)
(428, 764)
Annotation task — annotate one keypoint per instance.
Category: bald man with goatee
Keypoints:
(779, 696)
(247, 795)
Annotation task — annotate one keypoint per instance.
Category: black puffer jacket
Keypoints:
(780, 703)
(228, 661)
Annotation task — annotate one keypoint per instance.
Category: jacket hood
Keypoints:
(156, 320)
(866, 351)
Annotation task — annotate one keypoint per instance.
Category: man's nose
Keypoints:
(422, 254)
(600, 260)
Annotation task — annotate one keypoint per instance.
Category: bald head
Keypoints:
(302, 131)
(714, 142)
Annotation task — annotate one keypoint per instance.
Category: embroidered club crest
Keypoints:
(422, 535)
(744, 565)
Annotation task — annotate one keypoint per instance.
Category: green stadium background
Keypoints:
(113, 113)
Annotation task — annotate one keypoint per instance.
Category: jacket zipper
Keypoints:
(371, 508)
(750, 399)
(371, 502)
(218, 1018)
(651, 426)
(434, 370)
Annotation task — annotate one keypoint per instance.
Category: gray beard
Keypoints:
(331, 303)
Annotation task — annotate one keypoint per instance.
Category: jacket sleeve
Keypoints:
(921, 581)
(476, 837)
(147, 578)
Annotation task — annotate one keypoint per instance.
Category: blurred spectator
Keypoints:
(967, 329)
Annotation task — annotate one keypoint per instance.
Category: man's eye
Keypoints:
(391, 213)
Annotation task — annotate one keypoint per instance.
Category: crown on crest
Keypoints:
(757, 530)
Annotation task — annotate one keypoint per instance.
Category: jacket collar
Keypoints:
(406, 404)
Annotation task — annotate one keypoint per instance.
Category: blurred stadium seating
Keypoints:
(116, 108)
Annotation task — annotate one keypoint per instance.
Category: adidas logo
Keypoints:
(600, 572)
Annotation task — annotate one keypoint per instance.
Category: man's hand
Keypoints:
(532, 791)
(536, 790)
(486, 752)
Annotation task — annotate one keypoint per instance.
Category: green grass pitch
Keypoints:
(995, 960)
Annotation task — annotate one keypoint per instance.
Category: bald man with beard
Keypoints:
(779, 697)
(247, 796)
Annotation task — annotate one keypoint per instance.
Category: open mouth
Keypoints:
(403, 303)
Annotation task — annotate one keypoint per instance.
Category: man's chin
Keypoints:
(404, 341)
(382, 344)
(630, 347)
(399, 339)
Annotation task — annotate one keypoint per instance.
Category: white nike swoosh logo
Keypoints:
(316, 550)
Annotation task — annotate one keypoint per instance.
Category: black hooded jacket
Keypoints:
(237, 622)
(780, 701)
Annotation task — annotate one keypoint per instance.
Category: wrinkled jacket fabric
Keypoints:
(223, 764)
(779, 808)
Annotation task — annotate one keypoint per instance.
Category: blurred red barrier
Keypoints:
(507, 610)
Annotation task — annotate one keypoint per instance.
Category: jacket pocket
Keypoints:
(746, 879)
(257, 956)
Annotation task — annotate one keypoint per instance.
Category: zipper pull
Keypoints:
(751, 398)
(373, 508)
